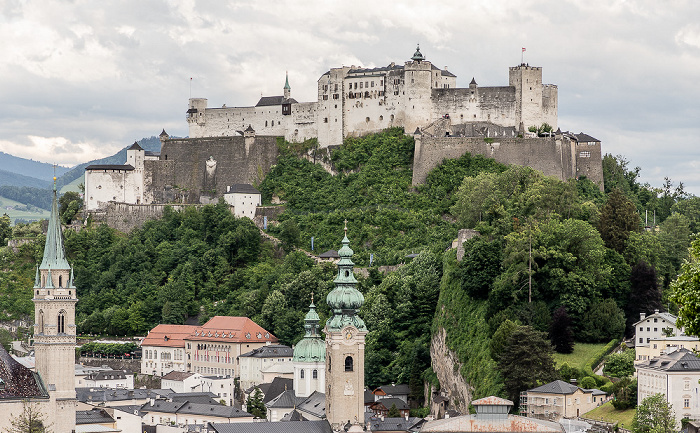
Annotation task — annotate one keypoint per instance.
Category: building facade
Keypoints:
(664, 346)
(345, 346)
(655, 326)
(163, 349)
(676, 376)
(556, 400)
(252, 363)
(353, 101)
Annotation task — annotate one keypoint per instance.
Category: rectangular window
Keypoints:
(361, 83)
(656, 329)
(372, 83)
(336, 96)
(585, 154)
(686, 403)
(325, 97)
(641, 340)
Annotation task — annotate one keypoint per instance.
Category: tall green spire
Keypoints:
(286, 82)
(345, 299)
(54, 254)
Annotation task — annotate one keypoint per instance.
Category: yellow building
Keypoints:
(664, 345)
(558, 399)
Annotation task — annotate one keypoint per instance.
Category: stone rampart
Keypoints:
(191, 167)
(125, 217)
(556, 156)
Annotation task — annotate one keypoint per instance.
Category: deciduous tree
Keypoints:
(618, 217)
(654, 415)
(560, 331)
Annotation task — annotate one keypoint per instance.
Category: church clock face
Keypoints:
(348, 335)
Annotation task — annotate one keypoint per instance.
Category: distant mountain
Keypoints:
(151, 143)
(28, 168)
(12, 178)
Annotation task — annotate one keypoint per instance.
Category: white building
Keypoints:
(656, 325)
(222, 386)
(676, 376)
(164, 349)
(252, 363)
(310, 358)
(284, 370)
(112, 379)
(665, 345)
(182, 381)
(244, 198)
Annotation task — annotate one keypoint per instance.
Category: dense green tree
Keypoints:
(654, 415)
(686, 292)
(560, 331)
(618, 217)
(645, 295)
(501, 338)
(620, 364)
(69, 205)
(674, 237)
(625, 392)
(31, 420)
(604, 322)
(393, 411)
(588, 382)
(289, 235)
(5, 229)
(480, 266)
(255, 406)
(526, 361)
(690, 208)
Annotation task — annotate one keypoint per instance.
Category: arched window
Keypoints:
(314, 374)
(62, 322)
(266, 124)
(60, 281)
(41, 321)
(301, 374)
(348, 363)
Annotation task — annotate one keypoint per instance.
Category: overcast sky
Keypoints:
(81, 79)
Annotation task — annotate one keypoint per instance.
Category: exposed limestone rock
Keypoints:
(447, 368)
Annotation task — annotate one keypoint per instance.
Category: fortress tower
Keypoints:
(54, 326)
(345, 346)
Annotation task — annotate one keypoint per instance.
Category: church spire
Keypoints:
(345, 299)
(54, 254)
(287, 87)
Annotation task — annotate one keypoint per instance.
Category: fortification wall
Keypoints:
(181, 174)
(125, 217)
(554, 156)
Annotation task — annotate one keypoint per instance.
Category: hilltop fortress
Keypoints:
(238, 145)
(355, 101)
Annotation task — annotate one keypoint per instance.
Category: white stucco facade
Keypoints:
(244, 199)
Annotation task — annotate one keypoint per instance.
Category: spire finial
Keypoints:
(312, 298)
(346, 227)
(54, 177)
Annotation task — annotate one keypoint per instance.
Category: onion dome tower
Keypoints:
(54, 324)
(345, 346)
(310, 357)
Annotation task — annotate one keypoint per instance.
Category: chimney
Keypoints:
(406, 416)
(642, 316)
(573, 381)
(656, 311)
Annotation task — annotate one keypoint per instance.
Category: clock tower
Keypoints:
(345, 346)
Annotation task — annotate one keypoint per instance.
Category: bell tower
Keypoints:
(345, 346)
(54, 325)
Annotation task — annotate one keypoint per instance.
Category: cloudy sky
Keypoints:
(81, 79)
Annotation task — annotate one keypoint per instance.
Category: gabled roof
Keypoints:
(680, 360)
(168, 335)
(662, 315)
(107, 375)
(195, 397)
(213, 410)
(233, 330)
(96, 395)
(411, 424)
(315, 405)
(492, 401)
(387, 403)
(272, 427)
(242, 188)
(136, 146)
(266, 101)
(581, 137)
(330, 254)
(92, 416)
(285, 400)
(294, 415)
(273, 389)
(556, 387)
(20, 382)
(177, 375)
(400, 389)
(269, 351)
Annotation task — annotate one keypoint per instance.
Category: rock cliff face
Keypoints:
(447, 368)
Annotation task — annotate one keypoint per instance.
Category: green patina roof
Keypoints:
(54, 254)
(418, 56)
(286, 82)
(311, 348)
(345, 299)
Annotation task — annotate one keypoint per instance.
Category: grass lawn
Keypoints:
(582, 353)
(610, 414)
(6, 203)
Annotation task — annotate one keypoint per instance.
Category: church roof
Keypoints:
(17, 381)
(163, 134)
(286, 81)
(396, 424)
(311, 348)
(232, 330)
(267, 101)
(315, 405)
(168, 335)
(418, 56)
(54, 253)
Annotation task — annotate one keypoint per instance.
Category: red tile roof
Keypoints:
(231, 329)
(168, 335)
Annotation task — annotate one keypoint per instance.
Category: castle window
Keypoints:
(325, 97)
(41, 321)
(372, 83)
(367, 119)
(361, 83)
(273, 123)
(329, 369)
(314, 374)
(336, 96)
(301, 374)
(391, 118)
(381, 118)
(60, 281)
(325, 120)
(348, 363)
(266, 123)
(585, 154)
(355, 85)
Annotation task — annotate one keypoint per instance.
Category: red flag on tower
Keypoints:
(523, 50)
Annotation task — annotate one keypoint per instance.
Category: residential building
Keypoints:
(556, 400)
(400, 391)
(96, 420)
(222, 386)
(113, 379)
(182, 381)
(186, 413)
(273, 427)
(394, 425)
(313, 407)
(282, 405)
(244, 198)
(492, 415)
(253, 362)
(279, 369)
(657, 325)
(665, 345)
(382, 406)
(164, 349)
(272, 389)
(676, 376)
(214, 348)
(90, 397)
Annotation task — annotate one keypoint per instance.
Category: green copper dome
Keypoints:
(418, 56)
(345, 299)
(311, 348)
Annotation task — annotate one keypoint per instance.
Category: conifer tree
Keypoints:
(618, 217)
(560, 331)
